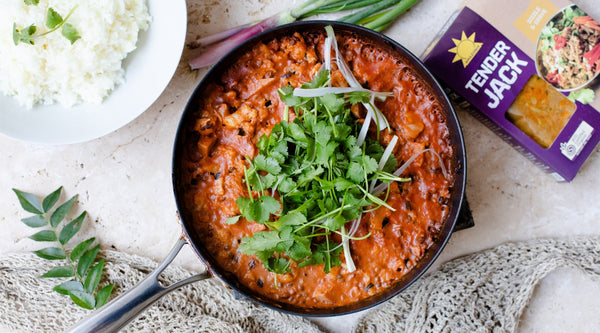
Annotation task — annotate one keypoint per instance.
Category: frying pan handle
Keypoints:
(120, 311)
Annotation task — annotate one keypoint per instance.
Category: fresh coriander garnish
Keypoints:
(321, 175)
(82, 288)
(54, 21)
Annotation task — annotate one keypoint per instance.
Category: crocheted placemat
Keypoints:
(462, 296)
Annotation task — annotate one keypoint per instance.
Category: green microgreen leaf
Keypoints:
(51, 253)
(355, 172)
(319, 80)
(259, 242)
(53, 19)
(51, 199)
(268, 164)
(24, 35)
(258, 210)
(31, 2)
(233, 219)
(44, 236)
(286, 94)
(61, 212)
(295, 218)
(297, 132)
(356, 97)
(59, 272)
(70, 33)
(319, 175)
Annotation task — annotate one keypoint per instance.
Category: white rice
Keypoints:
(53, 70)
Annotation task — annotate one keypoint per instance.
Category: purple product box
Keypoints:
(488, 73)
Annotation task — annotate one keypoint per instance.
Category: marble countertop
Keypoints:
(124, 179)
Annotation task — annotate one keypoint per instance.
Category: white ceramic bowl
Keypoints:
(148, 70)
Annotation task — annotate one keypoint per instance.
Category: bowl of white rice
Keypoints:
(58, 92)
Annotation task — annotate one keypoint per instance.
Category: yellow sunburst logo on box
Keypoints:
(466, 48)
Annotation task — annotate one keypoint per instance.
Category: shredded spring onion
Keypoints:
(364, 129)
(345, 243)
(353, 82)
(382, 187)
(316, 92)
(384, 157)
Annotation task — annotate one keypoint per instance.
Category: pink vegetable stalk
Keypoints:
(213, 54)
(374, 14)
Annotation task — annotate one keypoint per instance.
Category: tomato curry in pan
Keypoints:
(244, 105)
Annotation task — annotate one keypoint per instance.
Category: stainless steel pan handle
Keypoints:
(120, 311)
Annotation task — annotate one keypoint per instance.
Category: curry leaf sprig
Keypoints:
(319, 174)
(54, 21)
(81, 265)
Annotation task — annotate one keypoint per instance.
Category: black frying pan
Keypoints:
(124, 308)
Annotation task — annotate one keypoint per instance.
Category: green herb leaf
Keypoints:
(31, 2)
(286, 94)
(356, 97)
(69, 230)
(319, 80)
(61, 212)
(83, 299)
(35, 221)
(51, 253)
(51, 199)
(84, 284)
(296, 132)
(278, 265)
(44, 236)
(259, 242)
(66, 288)
(321, 175)
(93, 277)
(233, 219)
(69, 32)
(86, 260)
(103, 295)
(268, 164)
(53, 19)
(342, 184)
(29, 202)
(24, 35)
(258, 210)
(355, 173)
(295, 218)
(300, 249)
(332, 102)
(81, 248)
(59, 272)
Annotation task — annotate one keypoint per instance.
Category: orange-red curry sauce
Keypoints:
(244, 105)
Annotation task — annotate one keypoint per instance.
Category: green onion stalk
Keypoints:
(373, 14)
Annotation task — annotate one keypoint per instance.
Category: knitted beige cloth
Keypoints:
(485, 291)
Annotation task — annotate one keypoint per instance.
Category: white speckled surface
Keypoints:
(123, 179)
